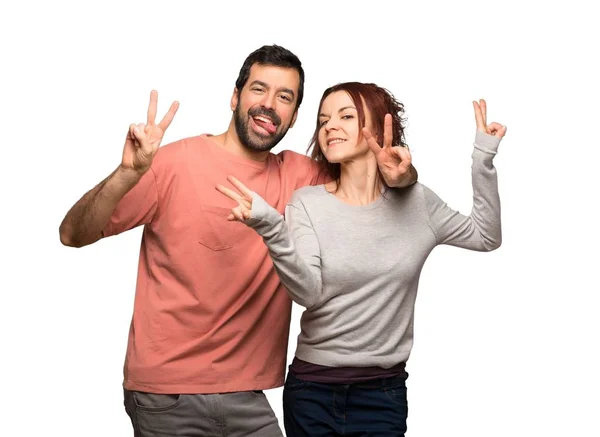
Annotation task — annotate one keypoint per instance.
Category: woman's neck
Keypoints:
(360, 183)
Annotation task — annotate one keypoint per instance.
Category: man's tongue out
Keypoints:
(265, 124)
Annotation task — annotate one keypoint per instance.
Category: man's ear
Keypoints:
(294, 117)
(234, 99)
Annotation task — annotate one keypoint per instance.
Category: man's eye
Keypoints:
(286, 98)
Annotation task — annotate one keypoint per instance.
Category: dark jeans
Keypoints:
(374, 408)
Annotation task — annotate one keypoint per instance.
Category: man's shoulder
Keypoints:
(289, 157)
(180, 153)
(299, 169)
(173, 149)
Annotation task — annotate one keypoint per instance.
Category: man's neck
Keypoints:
(230, 141)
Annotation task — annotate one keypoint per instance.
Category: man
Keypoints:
(211, 320)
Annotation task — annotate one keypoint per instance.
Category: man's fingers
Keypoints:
(404, 154)
(367, 133)
(388, 134)
(152, 107)
(375, 148)
(243, 189)
(168, 118)
(405, 159)
(138, 131)
(130, 133)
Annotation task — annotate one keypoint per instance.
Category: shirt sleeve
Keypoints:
(293, 246)
(136, 208)
(481, 230)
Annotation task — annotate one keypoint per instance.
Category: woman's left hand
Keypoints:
(395, 163)
(496, 129)
(243, 211)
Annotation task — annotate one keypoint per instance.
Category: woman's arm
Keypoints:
(292, 242)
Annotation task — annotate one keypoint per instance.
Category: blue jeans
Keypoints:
(373, 408)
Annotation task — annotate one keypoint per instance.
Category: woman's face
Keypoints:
(340, 138)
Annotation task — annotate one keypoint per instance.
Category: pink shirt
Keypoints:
(210, 314)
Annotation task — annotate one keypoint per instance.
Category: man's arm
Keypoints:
(85, 221)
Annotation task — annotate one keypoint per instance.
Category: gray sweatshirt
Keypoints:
(356, 268)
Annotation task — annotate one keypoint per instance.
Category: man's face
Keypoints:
(265, 108)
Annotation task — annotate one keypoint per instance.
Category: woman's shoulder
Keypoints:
(308, 193)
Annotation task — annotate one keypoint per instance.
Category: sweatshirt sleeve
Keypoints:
(293, 246)
(481, 230)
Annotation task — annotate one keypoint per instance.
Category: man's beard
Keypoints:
(249, 138)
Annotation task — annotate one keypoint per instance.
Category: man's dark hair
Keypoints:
(272, 55)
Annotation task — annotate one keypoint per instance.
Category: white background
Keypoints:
(506, 342)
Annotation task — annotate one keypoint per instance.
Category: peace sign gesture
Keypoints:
(142, 141)
(495, 129)
(394, 162)
(242, 212)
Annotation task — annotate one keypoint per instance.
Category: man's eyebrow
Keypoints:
(288, 91)
(259, 82)
(340, 110)
(282, 89)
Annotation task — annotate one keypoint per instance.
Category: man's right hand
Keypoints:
(143, 140)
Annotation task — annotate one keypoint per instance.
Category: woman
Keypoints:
(351, 252)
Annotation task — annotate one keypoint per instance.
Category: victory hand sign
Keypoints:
(495, 129)
(395, 163)
(142, 141)
(242, 212)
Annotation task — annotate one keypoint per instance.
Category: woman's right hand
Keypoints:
(243, 211)
(143, 140)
